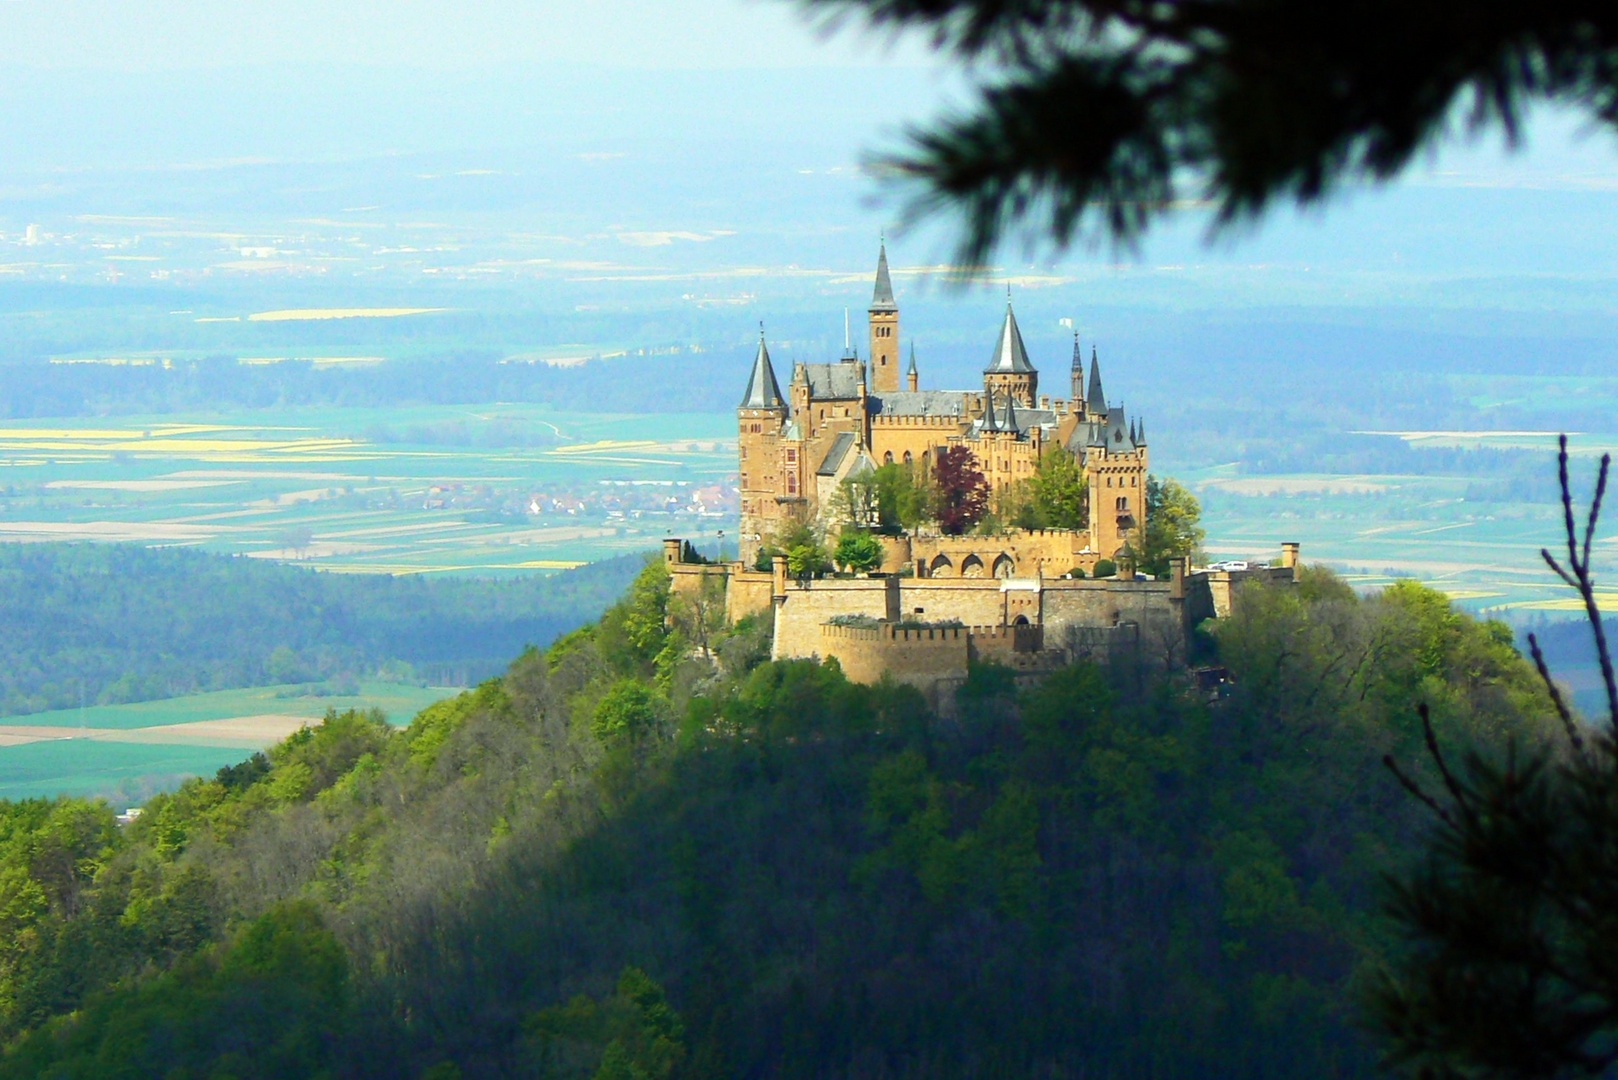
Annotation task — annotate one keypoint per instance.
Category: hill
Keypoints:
(105, 624)
(621, 859)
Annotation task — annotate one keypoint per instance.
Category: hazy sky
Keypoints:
(147, 35)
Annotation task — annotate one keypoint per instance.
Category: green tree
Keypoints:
(626, 714)
(858, 551)
(1172, 529)
(1057, 493)
(1094, 116)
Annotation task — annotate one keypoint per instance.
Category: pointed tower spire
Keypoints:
(1132, 431)
(1096, 398)
(990, 421)
(849, 355)
(1077, 376)
(882, 295)
(912, 378)
(1010, 422)
(1141, 438)
(1010, 357)
(763, 392)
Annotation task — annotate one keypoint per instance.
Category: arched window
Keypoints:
(1123, 503)
(1003, 566)
(792, 484)
(907, 457)
(940, 566)
(972, 566)
(887, 458)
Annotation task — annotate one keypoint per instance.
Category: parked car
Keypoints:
(1234, 564)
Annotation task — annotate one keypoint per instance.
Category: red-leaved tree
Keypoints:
(963, 493)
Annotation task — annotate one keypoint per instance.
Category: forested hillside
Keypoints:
(623, 860)
(105, 623)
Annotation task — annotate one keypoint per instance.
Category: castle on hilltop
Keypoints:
(1028, 600)
(842, 419)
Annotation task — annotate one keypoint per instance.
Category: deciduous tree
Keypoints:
(963, 493)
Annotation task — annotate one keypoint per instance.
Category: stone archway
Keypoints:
(1020, 620)
(972, 566)
(1004, 567)
(940, 566)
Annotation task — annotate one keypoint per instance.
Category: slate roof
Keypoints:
(920, 403)
(1095, 399)
(763, 392)
(833, 460)
(1009, 354)
(827, 381)
(882, 295)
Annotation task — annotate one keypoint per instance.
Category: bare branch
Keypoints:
(1415, 789)
(1562, 710)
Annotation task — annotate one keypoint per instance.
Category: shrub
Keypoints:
(1106, 568)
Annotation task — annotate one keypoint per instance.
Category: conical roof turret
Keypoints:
(990, 421)
(1095, 397)
(1009, 354)
(912, 369)
(1010, 422)
(763, 392)
(882, 295)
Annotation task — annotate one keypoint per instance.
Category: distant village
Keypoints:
(609, 500)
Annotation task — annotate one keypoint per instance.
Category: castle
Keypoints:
(842, 419)
(939, 604)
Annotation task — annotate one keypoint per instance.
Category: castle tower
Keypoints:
(912, 378)
(1115, 469)
(760, 421)
(884, 320)
(1009, 371)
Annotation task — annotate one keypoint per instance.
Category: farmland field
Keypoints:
(128, 751)
(486, 490)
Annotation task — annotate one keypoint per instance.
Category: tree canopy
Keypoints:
(1093, 116)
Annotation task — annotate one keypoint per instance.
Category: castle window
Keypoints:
(887, 459)
(744, 453)
(1123, 503)
(907, 457)
(792, 484)
(792, 455)
(756, 428)
(744, 479)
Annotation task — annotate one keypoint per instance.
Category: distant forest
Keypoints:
(100, 623)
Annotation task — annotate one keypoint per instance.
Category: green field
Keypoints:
(72, 760)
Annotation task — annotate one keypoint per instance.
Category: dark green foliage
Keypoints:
(89, 623)
(272, 1004)
(1095, 115)
(1097, 875)
(1506, 965)
(1105, 568)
